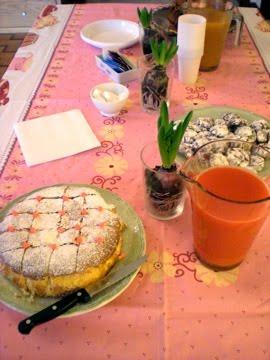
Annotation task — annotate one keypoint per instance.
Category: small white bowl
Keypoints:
(111, 108)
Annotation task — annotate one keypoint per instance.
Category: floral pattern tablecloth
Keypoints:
(24, 74)
(175, 308)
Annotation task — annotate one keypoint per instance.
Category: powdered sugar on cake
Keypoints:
(59, 231)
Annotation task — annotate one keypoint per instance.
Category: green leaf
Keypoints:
(145, 17)
(164, 115)
(162, 146)
(169, 50)
(172, 50)
(162, 52)
(186, 122)
(180, 131)
(154, 49)
(169, 136)
(150, 15)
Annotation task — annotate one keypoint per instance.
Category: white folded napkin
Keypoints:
(54, 137)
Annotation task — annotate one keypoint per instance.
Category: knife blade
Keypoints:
(80, 296)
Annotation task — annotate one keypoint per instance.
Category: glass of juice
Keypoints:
(229, 203)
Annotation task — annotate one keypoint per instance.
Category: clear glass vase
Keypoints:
(155, 83)
(163, 188)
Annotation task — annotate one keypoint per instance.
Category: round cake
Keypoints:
(59, 239)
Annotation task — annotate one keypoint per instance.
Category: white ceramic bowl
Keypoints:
(111, 33)
(111, 108)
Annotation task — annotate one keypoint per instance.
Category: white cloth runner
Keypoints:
(261, 39)
(54, 137)
(21, 80)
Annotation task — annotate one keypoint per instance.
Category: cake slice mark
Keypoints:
(26, 248)
(54, 246)
(11, 228)
(39, 198)
(26, 244)
(80, 239)
(13, 249)
(60, 229)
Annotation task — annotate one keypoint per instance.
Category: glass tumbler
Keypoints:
(163, 189)
(155, 83)
(230, 202)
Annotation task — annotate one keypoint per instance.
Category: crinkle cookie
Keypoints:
(204, 122)
(261, 150)
(262, 136)
(218, 160)
(245, 133)
(199, 141)
(256, 162)
(190, 136)
(229, 126)
(186, 149)
(237, 157)
(229, 116)
(259, 124)
(219, 122)
(219, 131)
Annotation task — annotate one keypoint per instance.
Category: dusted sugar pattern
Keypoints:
(59, 231)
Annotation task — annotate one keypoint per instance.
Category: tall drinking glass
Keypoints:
(229, 203)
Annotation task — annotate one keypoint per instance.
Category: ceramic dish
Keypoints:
(110, 108)
(133, 247)
(216, 112)
(118, 34)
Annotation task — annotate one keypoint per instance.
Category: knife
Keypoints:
(80, 296)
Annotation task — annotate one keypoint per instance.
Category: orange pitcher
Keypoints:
(217, 25)
(229, 205)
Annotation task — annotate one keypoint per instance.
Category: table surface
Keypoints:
(175, 308)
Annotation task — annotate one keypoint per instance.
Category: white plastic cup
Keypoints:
(190, 40)
(188, 69)
(191, 33)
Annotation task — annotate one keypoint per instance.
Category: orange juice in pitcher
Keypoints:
(217, 26)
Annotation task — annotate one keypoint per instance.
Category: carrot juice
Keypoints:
(224, 230)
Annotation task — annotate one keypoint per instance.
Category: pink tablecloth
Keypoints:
(175, 308)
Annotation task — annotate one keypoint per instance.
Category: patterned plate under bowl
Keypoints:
(216, 112)
(133, 247)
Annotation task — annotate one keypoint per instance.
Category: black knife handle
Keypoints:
(51, 312)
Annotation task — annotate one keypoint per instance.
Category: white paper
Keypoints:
(54, 137)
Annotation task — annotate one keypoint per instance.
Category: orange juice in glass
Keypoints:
(229, 206)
